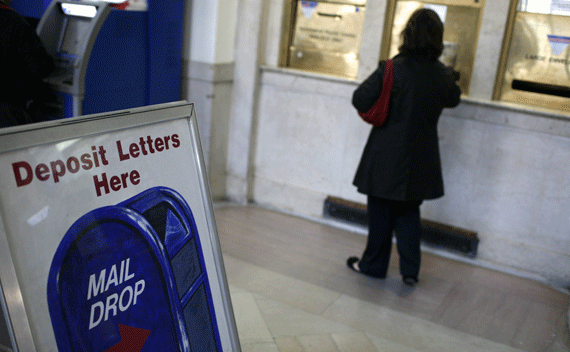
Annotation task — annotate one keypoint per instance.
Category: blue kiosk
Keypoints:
(109, 58)
(31, 9)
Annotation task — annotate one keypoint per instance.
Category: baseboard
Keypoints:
(433, 233)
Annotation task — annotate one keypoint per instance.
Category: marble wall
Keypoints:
(505, 177)
(295, 139)
(209, 87)
(309, 143)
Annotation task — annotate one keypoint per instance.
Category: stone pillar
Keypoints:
(208, 70)
(371, 37)
(241, 143)
(489, 49)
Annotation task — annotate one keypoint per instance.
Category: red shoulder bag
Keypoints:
(379, 111)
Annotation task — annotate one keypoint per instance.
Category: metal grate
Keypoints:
(434, 234)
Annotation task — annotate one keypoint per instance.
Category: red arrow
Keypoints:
(132, 339)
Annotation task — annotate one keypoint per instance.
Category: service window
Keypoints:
(462, 20)
(535, 60)
(323, 36)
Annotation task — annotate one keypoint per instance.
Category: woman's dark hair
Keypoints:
(423, 35)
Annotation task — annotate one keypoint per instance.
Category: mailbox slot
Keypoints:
(535, 62)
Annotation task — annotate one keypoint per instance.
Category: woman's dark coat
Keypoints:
(25, 62)
(401, 158)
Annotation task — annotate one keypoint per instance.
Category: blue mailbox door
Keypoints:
(173, 222)
(133, 276)
(109, 274)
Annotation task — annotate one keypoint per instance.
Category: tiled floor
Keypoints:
(277, 313)
(280, 305)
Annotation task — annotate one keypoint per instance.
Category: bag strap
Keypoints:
(378, 113)
(388, 81)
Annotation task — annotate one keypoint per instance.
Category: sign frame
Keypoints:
(36, 135)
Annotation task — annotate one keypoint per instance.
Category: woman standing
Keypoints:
(400, 166)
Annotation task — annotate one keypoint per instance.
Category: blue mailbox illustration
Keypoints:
(132, 277)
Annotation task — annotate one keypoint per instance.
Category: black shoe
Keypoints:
(410, 281)
(350, 262)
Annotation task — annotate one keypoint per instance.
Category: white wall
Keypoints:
(226, 34)
(310, 144)
(212, 28)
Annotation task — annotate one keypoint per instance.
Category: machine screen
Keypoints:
(74, 34)
(88, 11)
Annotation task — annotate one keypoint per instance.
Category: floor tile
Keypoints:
(285, 320)
(249, 322)
(384, 345)
(288, 344)
(299, 294)
(537, 320)
(318, 343)
(406, 330)
(557, 346)
(234, 289)
(259, 347)
(356, 341)
(478, 311)
(290, 291)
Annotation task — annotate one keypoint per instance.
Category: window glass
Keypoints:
(554, 7)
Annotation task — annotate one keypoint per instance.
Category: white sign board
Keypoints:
(108, 237)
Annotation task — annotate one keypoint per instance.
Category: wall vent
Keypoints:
(434, 234)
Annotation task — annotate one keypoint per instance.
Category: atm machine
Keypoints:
(111, 59)
(69, 31)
